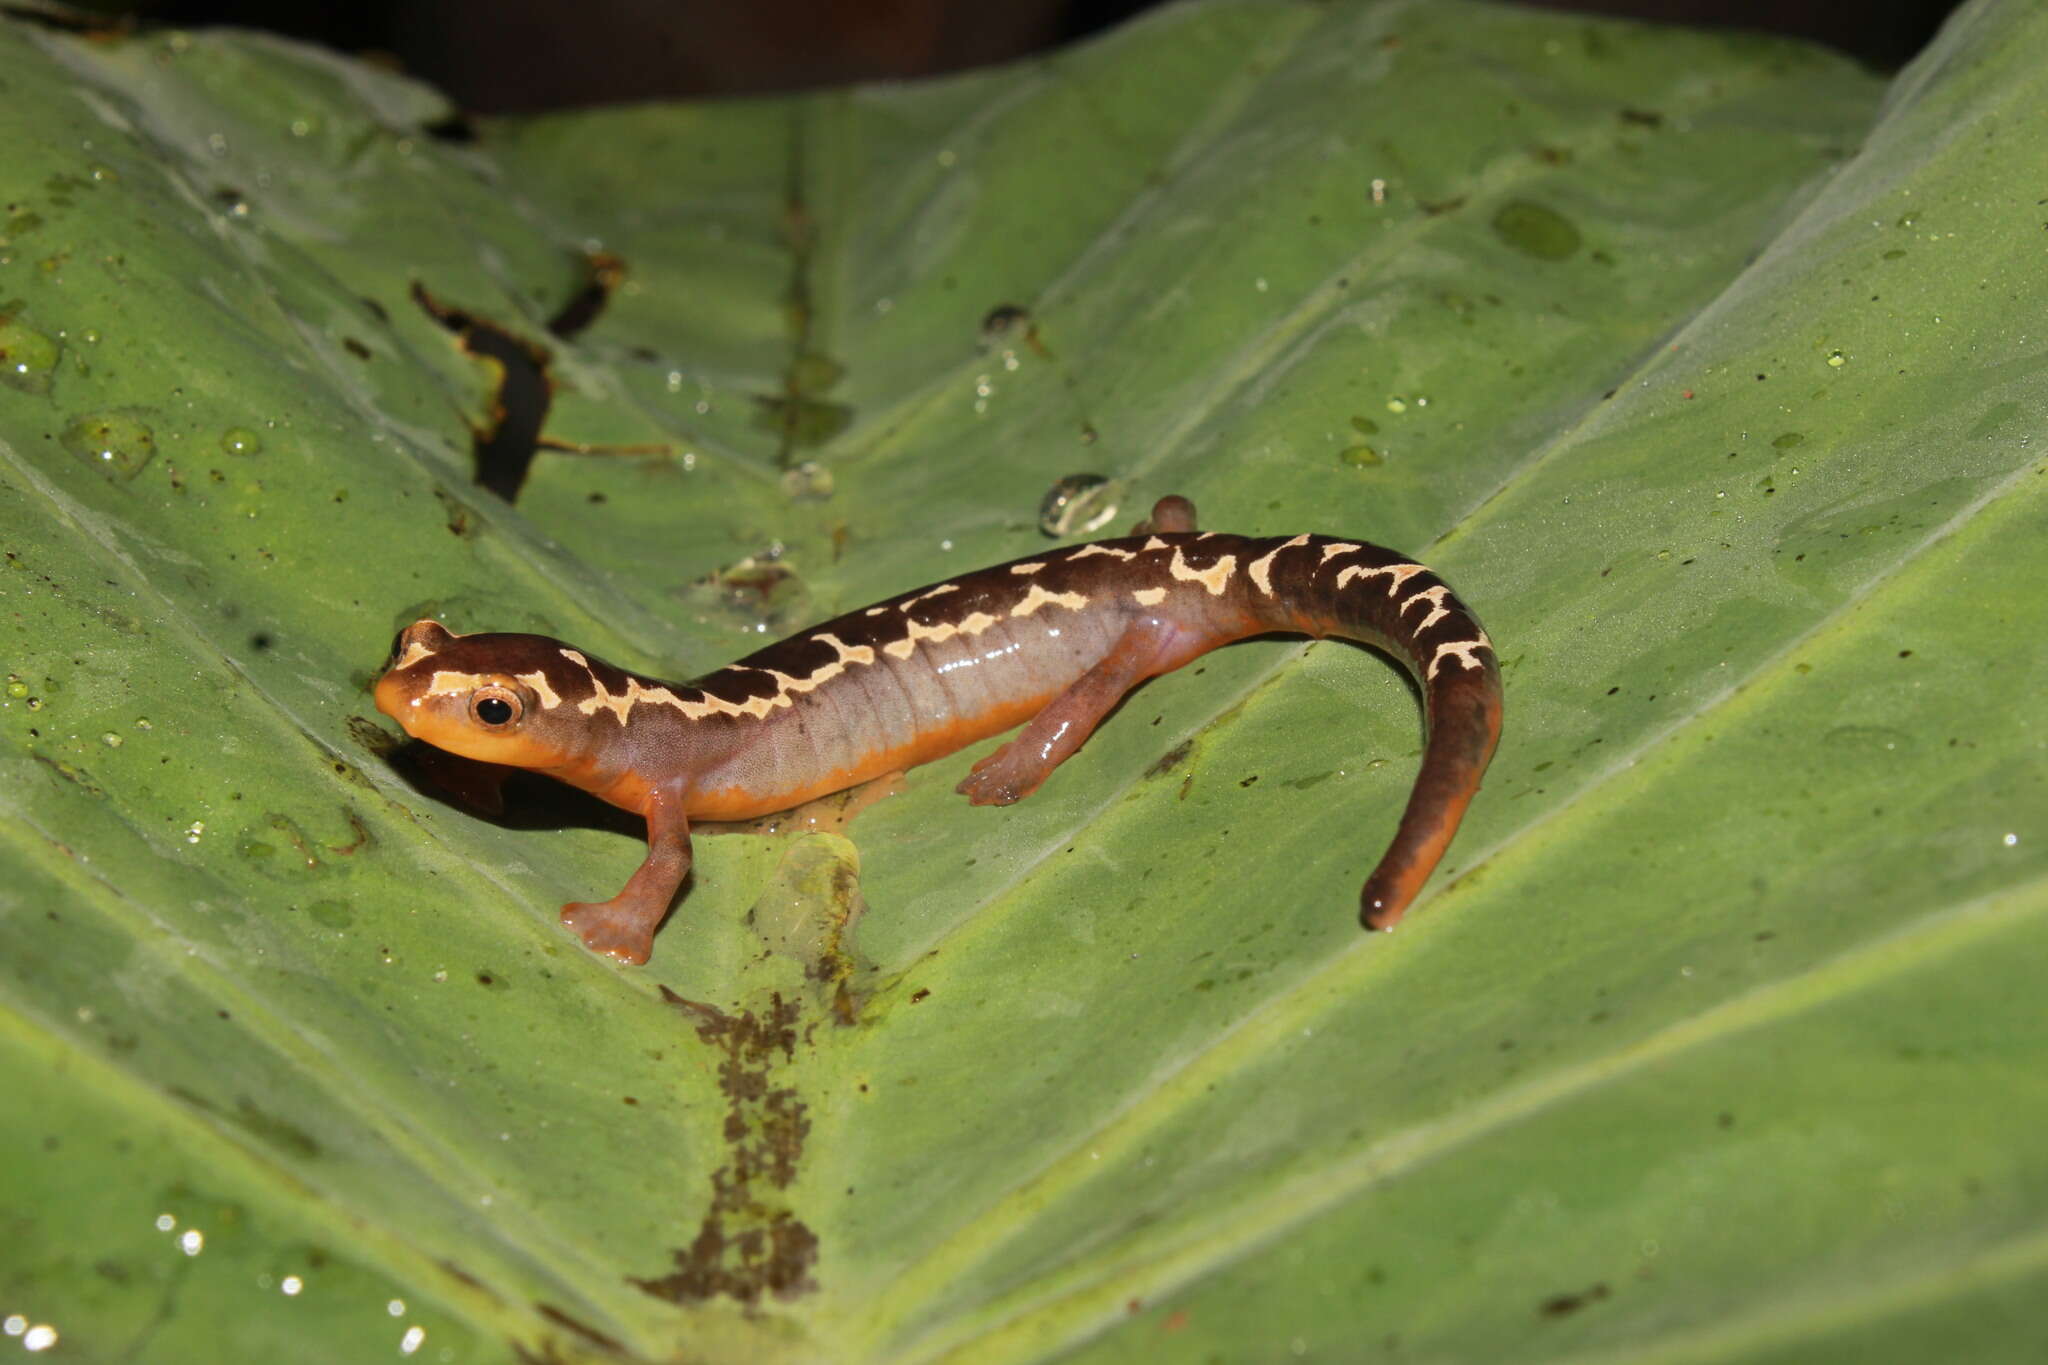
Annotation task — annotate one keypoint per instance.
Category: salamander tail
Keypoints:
(1463, 703)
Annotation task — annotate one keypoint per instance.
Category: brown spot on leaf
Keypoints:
(1171, 759)
(1562, 1305)
(581, 1329)
(750, 1243)
(602, 273)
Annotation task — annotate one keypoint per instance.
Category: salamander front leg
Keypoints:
(1171, 513)
(1147, 647)
(624, 926)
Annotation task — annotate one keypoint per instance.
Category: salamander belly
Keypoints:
(895, 713)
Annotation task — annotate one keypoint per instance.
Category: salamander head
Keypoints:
(497, 698)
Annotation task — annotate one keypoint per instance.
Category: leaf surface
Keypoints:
(1707, 367)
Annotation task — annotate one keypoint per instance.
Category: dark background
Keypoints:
(506, 56)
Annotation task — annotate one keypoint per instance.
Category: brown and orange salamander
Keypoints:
(1053, 641)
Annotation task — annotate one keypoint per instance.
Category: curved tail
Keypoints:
(1373, 595)
(1462, 708)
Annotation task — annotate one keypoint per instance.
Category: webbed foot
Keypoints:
(614, 930)
(1003, 778)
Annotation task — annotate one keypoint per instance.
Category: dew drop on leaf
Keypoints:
(119, 444)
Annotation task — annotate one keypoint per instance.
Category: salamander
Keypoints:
(1052, 642)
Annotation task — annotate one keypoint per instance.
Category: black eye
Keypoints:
(495, 707)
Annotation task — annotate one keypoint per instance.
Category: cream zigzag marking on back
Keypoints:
(1261, 569)
(1339, 547)
(1039, 597)
(940, 591)
(1087, 550)
(1032, 567)
(621, 704)
(1437, 610)
(1466, 652)
(1213, 578)
(786, 685)
(538, 681)
(848, 654)
(944, 630)
(1397, 574)
(414, 652)
(1148, 597)
(447, 680)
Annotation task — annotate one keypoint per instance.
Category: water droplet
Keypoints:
(117, 443)
(1365, 426)
(27, 357)
(1397, 405)
(1836, 359)
(240, 441)
(111, 740)
(1078, 504)
(16, 687)
(1788, 440)
(1360, 456)
(1537, 231)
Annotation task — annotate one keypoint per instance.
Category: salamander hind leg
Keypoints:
(623, 927)
(1014, 771)
(1171, 513)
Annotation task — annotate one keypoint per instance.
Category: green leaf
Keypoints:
(1708, 367)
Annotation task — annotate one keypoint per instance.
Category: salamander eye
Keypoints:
(495, 708)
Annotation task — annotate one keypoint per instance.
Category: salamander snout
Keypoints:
(473, 695)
